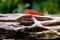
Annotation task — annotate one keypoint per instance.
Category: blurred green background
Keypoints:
(18, 6)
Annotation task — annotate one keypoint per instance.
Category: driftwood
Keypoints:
(16, 22)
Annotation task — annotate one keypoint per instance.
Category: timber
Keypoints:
(16, 22)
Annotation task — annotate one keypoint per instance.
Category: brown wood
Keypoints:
(17, 22)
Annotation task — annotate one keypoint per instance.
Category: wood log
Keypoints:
(17, 22)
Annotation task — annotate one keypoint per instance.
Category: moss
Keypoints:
(47, 36)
